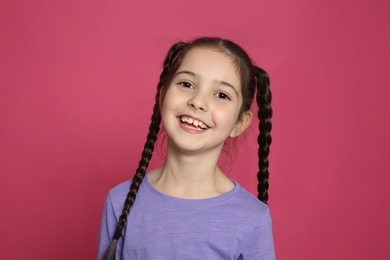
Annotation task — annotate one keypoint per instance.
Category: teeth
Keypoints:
(193, 122)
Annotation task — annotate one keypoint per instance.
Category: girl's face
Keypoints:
(202, 104)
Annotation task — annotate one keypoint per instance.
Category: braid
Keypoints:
(147, 153)
(264, 140)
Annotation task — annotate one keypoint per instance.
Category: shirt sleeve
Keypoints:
(260, 244)
(107, 228)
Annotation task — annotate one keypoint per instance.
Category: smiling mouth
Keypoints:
(194, 123)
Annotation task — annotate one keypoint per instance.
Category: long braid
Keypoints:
(264, 140)
(147, 153)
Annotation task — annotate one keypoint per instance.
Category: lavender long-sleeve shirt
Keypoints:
(235, 225)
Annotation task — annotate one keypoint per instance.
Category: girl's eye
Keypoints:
(222, 95)
(185, 84)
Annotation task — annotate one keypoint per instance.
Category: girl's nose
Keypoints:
(198, 101)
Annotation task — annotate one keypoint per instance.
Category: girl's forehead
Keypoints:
(212, 63)
(207, 51)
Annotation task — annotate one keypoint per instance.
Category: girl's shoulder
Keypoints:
(120, 189)
(117, 195)
(247, 203)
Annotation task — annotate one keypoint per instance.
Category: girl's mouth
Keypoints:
(197, 124)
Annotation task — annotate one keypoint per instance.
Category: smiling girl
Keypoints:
(188, 208)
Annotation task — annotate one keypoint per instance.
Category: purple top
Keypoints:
(235, 225)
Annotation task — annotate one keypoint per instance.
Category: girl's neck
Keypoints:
(191, 176)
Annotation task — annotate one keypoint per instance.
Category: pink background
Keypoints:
(77, 80)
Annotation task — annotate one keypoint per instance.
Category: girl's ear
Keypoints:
(242, 124)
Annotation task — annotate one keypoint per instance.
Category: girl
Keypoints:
(187, 208)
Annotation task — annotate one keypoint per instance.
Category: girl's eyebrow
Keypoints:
(221, 82)
(186, 72)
